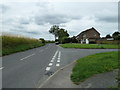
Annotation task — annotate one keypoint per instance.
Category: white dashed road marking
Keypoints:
(59, 54)
(53, 58)
(48, 68)
(1, 68)
(58, 60)
(27, 56)
(52, 61)
(50, 64)
(57, 65)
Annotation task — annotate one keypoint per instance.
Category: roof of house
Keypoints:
(88, 30)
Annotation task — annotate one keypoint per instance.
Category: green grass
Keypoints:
(13, 44)
(94, 64)
(90, 46)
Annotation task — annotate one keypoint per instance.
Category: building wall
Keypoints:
(88, 34)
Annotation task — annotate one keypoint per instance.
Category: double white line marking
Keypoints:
(53, 59)
(58, 59)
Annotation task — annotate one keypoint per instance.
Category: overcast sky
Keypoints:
(34, 19)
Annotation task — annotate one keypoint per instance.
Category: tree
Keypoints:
(108, 36)
(62, 33)
(65, 40)
(54, 30)
(116, 35)
(42, 40)
(59, 33)
(74, 40)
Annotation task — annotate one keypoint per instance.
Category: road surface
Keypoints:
(29, 69)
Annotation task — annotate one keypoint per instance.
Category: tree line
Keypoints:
(115, 35)
(61, 35)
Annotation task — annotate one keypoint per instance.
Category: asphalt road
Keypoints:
(29, 69)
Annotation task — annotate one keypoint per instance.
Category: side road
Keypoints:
(61, 79)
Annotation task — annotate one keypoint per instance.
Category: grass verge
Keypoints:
(94, 64)
(90, 46)
(13, 44)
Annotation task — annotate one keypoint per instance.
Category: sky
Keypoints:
(34, 18)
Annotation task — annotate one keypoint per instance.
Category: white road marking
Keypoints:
(53, 58)
(57, 65)
(50, 64)
(1, 68)
(58, 60)
(48, 68)
(27, 56)
(59, 54)
(55, 54)
(52, 61)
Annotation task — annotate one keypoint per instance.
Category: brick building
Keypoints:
(88, 36)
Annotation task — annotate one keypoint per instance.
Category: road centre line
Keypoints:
(59, 54)
(54, 56)
(58, 65)
(58, 60)
(47, 68)
(27, 56)
(50, 64)
(1, 68)
(52, 61)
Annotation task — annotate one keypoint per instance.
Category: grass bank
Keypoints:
(12, 44)
(94, 64)
(90, 46)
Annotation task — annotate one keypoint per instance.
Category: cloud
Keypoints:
(108, 19)
(35, 19)
(51, 19)
(107, 16)
(3, 8)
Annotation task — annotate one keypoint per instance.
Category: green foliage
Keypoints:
(90, 46)
(108, 36)
(116, 35)
(42, 39)
(94, 64)
(65, 40)
(12, 44)
(49, 41)
(58, 32)
(54, 30)
(74, 40)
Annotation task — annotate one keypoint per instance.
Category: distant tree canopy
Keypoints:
(116, 35)
(59, 33)
(42, 40)
(54, 30)
(74, 40)
(108, 36)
